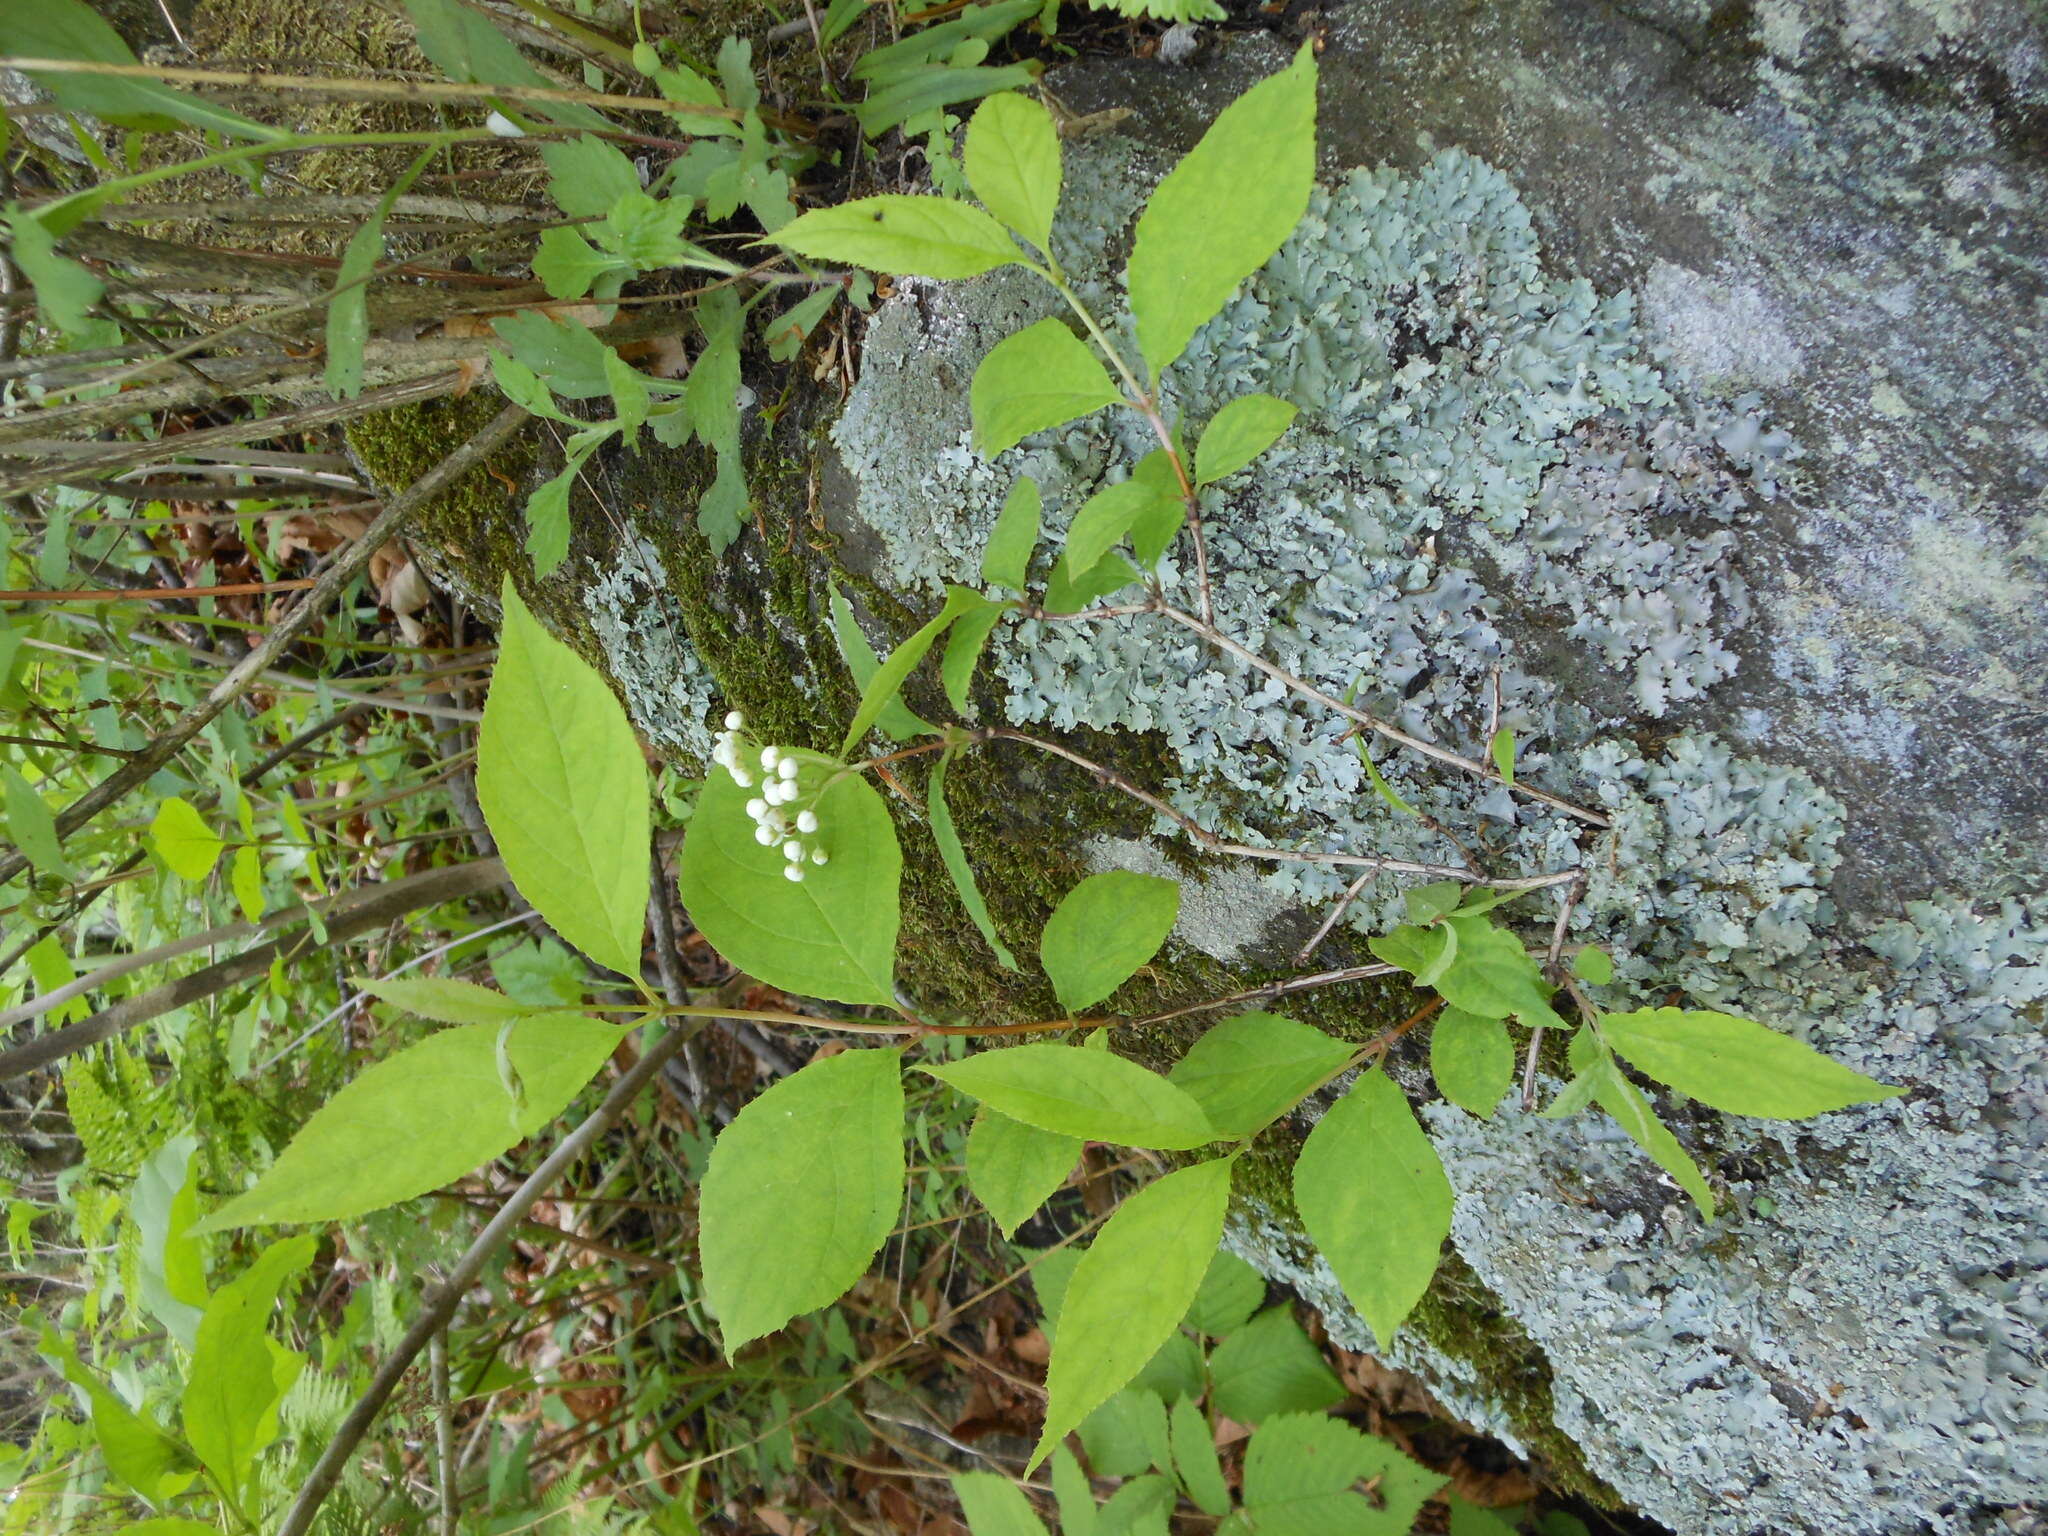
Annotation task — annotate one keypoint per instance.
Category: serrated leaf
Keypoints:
(425, 1115)
(1176, 1370)
(896, 721)
(1299, 1471)
(586, 176)
(1013, 1168)
(1269, 1366)
(1472, 1059)
(1094, 1095)
(449, 1001)
(1631, 1111)
(832, 935)
(920, 236)
(568, 265)
(1194, 1458)
(136, 1450)
(1224, 210)
(1373, 1196)
(954, 857)
(1012, 156)
(889, 678)
(1737, 1065)
(187, 845)
(1493, 976)
(1471, 1520)
(465, 46)
(1248, 1071)
(564, 791)
(1427, 903)
(1039, 377)
(1130, 1290)
(1126, 1435)
(1143, 1506)
(1231, 1292)
(1239, 433)
(995, 1506)
(1006, 560)
(1156, 524)
(801, 1191)
(565, 354)
(548, 523)
(1103, 930)
(1076, 1498)
(1069, 591)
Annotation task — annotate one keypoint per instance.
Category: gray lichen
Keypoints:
(1501, 480)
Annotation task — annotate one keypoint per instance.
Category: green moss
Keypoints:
(477, 522)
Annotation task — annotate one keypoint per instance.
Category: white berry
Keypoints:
(807, 822)
(764, 835)
(735, 720)
(793, 872)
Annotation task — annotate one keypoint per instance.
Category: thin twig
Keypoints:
(353, 912)
(1308, 950)
(159, 594)
(351, 562)
(434, 1316)
(444, 1435)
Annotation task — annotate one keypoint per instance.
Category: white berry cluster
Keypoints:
(775, 818)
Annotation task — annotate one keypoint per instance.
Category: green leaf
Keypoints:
(1631, 1111)
(1103, 930)
(1106, 517)
(1239, 433)
(568, 265)
(68, 29)
(1130, 1290)
(1141, 1507)
(565, 354)
(1126, 1435)
(137, 1452)
(425, 1115)
(65, 290)
(954, 857)
(932, 87)
(1194, 1458)
(587, 176)
(896, 720)
(629, 393)
(1248, 1071)
(348, 311)
(1175, 1371)
(1381, 1233)
(1380, 785)
(1076, 1499)
(1503, 749)
(231, 1388)
(832, 935)
(245, 877)
(1013, 1168)
(1268, 1367)
(33, 829)
(184, 841)
(963, 651)
(1094, 1095)
(1593, 964)
(1039, 377)
(547, 522)
(465, 47)
(890, 676)
(1471, 1520)
(1224, 210)
(1737, 1064)
(1013, 164)
(1493, 976)
(449, 1001)
(1007, 559)
(801, 1191)
(564, 790)
(1068, 591)
(1156, 524)
(1231, 1292)
(920, 236)
(1427, 903)
(995, 1506)
(1298, 1477)
(646, 234)
(170, 1279)
(787, 332)
(1472, 1059)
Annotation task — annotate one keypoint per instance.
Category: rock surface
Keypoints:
(1681, 369)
